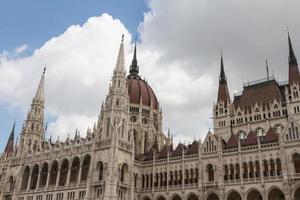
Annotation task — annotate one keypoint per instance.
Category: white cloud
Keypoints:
(79, 65)
(21, 48)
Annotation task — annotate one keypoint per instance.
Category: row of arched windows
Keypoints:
(176, 177)
(252, 169)
(56, 175)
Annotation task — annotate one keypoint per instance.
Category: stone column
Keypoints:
(29, 180)
(69, 174)
(38, 180)
(79, 175)
(58, 176)
(48, 178)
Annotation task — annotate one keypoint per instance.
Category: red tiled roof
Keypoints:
(261, 93)
(251, 139)
(232, 142)
(271, 136)
(223, 93)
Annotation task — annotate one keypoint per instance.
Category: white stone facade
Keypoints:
(254, 152)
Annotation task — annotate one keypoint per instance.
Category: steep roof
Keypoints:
(251, 139)
(193, 148)
(232, 142)
(261, 92)
(271, 136)
(178, 150)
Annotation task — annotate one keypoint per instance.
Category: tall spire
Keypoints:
(222, 78)
(9, 149)
(134, 68)
(292, 57)
(121, 60)
(39, 96)
(294, 75)
(223, 93)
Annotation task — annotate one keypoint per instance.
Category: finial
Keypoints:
(267, 68)
(123, 37)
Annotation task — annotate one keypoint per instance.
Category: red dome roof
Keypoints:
(138, 89)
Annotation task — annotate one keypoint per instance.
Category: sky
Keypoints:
(179, 45)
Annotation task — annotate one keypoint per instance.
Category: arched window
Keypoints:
(231, 172)
(124, 172)
(34, 177)
(257, 169)
(100, 170)
(272, 167)
(63, 173)
(251, 173)
(210, 172)
(245, 166)
(75, 170)
(296, 159)
(279, 168)
(53, 173)
(25, 178)
(237, 171)
(266, 168)
(85, 168)
(107, 127)
(225, 172)
(123, 128)
(44, 174)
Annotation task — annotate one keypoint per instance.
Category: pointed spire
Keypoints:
(134, 68)
(292, 57)
(223, 93)
(39, 96)
(121, 58)
(9, 149)
(294, 75)
(222, 78)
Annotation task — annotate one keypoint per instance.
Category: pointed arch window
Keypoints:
(107, 127)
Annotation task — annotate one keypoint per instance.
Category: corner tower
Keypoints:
(221, 115)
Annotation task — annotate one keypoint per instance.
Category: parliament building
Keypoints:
(252, 153)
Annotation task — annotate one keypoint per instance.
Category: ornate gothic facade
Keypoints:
(253, 154)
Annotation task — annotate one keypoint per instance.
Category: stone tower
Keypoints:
(222, 107)
(117, 152)
(33, 128)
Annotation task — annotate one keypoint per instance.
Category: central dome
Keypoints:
(138, 89)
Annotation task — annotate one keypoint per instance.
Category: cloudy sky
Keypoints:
(178, 53)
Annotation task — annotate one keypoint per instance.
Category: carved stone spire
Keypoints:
(121, 60)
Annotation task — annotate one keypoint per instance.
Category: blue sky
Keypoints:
(34, 22)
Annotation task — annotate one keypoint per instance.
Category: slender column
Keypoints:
(38, 179)
(29, 180)
(48, 178)
(58, 176)
(79, 176)
(68, 176)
